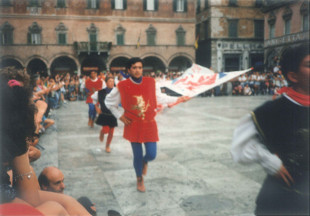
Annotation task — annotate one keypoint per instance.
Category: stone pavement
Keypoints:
(193, 173)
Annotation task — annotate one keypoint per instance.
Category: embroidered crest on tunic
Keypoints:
(141, 106)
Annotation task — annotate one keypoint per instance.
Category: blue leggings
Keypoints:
(91, 111)
(138, 159)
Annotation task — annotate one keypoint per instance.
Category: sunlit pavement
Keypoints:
(193, 173)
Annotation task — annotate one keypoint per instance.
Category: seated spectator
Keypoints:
(15, 127)
(53, 96)
(52, 179)
(247, 90)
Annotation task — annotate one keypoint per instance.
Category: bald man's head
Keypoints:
(52, 179)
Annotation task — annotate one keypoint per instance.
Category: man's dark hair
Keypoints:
(132, 61)
(292, 57)
(43, 181)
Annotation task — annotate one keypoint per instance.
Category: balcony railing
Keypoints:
(92, 47)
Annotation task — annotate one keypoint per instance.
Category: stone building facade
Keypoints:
(286, 24)
(53, 36)
(230, 34)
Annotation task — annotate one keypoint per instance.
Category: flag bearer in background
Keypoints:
(139, 97)
(92, 84)
(276, 135)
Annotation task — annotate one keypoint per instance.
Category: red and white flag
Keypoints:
(197, 79)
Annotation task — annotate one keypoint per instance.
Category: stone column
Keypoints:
(246, 60)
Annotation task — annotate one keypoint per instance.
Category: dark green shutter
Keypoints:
(156, 5)
(174, 5)
(185, 5)
(1, 39)
(144, 5)
(97, 4)
(88, 3)
(125, 4)
(29, 38)
(112, 4)
(120, 39)
(62, 38)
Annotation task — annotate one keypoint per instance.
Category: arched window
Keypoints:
(120, 35)
(271, 23)
(6, 34)
(151, 35)
(304, 11)
(180, 33)
(287, 17)
(34, 34)
(92, 33)
(61, 31)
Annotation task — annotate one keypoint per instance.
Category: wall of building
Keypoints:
(77, 19)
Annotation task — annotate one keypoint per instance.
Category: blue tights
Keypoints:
(138, 159)
(92, 111)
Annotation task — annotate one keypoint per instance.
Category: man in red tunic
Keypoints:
(92, 84)
(139, 97)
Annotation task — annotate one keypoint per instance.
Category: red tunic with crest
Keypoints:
(139, 103)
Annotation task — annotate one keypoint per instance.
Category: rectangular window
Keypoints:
(233, 28)
(258, 28)
(206, 4)
(119, 4)
(6, 38)
(93, 42)
(232, 62)
(180, 6)
(198, 6)
(62, 38)
(34, 3)
(120, 39)
(271, 31)
(305, 22)
(93, 4)
(151, 39)
(150, 5)
(232, 3)
(5, 3)
(61, 3)
(287, 27)
(206, 27)
(259, 3)
(181, 39)
(35, 38)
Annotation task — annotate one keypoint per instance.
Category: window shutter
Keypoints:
(88, 3)
(10, 38)
(29, 38)
(1, 39)
(174, 5)
(124, 4)
(185, 5)
(144, 5)
(113, 4)
(97, 4)
(156, 5)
